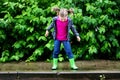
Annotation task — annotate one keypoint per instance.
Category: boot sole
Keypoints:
(54, 68)
(74, 68)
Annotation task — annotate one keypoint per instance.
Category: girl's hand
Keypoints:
(46, 33)
(78, 39)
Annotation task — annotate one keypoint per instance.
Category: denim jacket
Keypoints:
(70, 27)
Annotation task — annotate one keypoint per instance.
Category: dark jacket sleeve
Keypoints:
(52, 24)
(74, 29)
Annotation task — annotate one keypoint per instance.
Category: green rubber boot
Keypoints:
(72, 64)
(55, 63)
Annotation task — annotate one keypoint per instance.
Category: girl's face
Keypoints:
(63, 14)
(63, 18)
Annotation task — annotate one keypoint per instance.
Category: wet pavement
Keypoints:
(62, 66)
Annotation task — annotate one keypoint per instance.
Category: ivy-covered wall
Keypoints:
(23, 24)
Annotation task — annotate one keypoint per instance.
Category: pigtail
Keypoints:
(56, 9)
(71, 11)
(62, 11)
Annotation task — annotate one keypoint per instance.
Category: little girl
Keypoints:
(62, 24)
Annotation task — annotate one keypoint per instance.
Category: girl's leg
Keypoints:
(55, 54)
(56, 50)
(68, 51)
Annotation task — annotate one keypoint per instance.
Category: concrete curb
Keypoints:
(61, 75)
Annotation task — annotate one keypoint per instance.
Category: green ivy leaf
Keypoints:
(84, 26)
(30, 29)
(106, 46)
(60, 58)
(50, 45)
(30, 38)
(42, 38)
(43, 19)
(19, 44)
(89, 35)
(30, 45)
(38, 51)
(102, 29)
(92, 49)
(17, 56)
(101, 38)
(118, 55)
(5, 55)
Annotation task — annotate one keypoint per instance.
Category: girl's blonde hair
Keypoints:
(63, 12)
